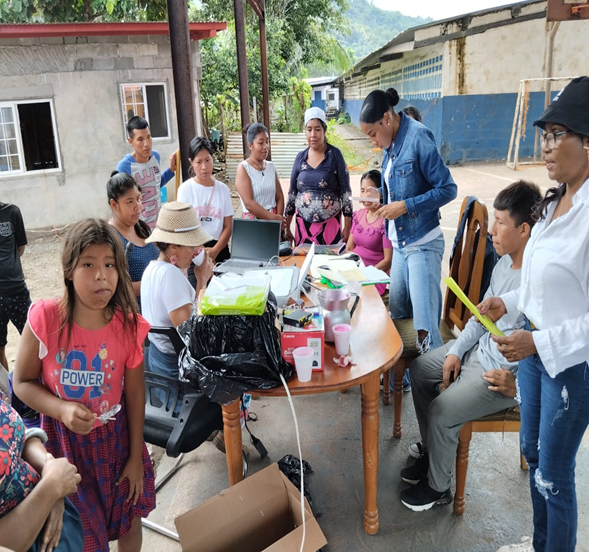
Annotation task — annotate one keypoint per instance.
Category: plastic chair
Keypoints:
(467, 271)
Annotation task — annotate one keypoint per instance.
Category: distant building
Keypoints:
(325, 95)
(463, 74)
(67, 93)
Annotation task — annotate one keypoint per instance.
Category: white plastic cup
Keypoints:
(341, 337)
(198, 259)
(303, 357)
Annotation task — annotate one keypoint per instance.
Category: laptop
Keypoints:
(254, 243)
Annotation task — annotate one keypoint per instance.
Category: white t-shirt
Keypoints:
(163, 289)
(212, 206)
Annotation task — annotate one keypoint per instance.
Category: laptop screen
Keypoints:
(255, 239)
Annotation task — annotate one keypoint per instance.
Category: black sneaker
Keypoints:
(422, 497)
(416, 473)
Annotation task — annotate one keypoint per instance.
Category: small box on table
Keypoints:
(312, 335)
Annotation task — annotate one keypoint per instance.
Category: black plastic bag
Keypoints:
(290, 466)
(227, 356)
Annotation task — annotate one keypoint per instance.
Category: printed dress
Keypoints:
(319, 196)
(17, 477)
(90, 371)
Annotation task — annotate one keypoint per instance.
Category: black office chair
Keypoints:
(179, 432)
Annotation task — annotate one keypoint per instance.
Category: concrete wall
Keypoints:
(470, 103)
(82, 78)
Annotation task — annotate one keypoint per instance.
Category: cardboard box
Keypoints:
(312, 335)
(260, 514)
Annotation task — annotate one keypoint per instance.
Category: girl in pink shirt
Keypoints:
(368, 237)
(73, 358)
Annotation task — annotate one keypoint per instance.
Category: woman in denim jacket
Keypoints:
(416, 183)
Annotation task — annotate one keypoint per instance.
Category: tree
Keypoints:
(305, 25)
(54, 11)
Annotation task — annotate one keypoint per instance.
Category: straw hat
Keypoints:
(178, 224)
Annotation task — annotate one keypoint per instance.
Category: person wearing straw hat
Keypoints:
(167, 296)
(553, 350)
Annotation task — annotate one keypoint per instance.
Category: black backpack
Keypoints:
(491, 256)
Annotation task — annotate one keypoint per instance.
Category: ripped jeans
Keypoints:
(554, 417)
(416, 272)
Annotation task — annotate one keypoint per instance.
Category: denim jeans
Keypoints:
(164, 364)
(554, 417)
(415, 291)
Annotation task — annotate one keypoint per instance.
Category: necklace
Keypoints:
(261, 168)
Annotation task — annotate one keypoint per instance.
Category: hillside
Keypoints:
(372, 27)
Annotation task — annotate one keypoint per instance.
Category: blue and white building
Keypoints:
(464, 73)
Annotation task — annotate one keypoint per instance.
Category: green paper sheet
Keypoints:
(484, 320)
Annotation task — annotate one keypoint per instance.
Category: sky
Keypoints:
(438, 9)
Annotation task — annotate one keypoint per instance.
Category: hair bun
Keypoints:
(114, 173)
(394, 96)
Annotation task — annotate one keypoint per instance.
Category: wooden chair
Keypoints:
(467, 271)
(506, 420)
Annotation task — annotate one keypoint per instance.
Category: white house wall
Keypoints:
(83, 82)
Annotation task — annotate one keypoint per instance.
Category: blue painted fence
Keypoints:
(471, 128)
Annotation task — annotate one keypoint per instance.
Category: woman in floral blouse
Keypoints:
(319, 189)
(34, 511)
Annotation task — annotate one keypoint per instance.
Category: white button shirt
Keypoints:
(554, 291)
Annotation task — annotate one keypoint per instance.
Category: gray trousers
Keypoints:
(442, 415)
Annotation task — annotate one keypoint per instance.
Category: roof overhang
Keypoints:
(197, 31)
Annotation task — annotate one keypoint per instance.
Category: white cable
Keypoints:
(300, 456)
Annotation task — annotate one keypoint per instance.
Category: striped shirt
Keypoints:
(263, 185)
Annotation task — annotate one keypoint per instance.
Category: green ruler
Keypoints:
(484, 320)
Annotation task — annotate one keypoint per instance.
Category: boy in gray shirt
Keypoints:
(475, 378)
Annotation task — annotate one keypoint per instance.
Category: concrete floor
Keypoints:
(498, 508)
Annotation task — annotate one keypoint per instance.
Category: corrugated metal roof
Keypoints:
(285, 147)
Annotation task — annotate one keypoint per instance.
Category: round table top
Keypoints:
(375, 347)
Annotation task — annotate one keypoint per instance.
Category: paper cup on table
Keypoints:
(303, 357)
(341, 337)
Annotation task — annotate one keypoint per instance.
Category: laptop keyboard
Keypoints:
(242, 264)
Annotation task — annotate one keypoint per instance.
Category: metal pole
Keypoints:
(264, 64)
(183, 81)
(244, 100)
(549, 60)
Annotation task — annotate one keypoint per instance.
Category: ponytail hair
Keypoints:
(117, 186)
(377, 103)
(553, 194)
(252, 130)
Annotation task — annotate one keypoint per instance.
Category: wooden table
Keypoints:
(375, 347)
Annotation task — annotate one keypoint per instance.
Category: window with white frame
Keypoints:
(27, 137)
(148, 101)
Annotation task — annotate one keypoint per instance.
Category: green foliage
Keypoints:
(305, 25)
(219, 66)
(353, 160)
(55, 11)
(296, 31)
(371, 27)
(344, 118)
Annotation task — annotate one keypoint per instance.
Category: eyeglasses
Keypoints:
(552, 139)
